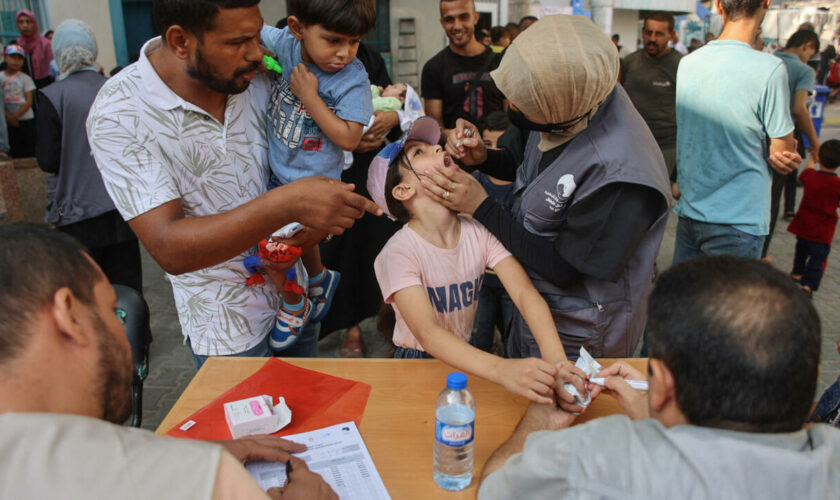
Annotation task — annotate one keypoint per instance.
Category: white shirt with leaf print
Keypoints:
(152, 147)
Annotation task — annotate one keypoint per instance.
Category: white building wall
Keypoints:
(626, 24)
(670, 5)
(273, 11)
(429, 34)
(96, 14)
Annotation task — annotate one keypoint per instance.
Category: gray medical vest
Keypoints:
(617, 146)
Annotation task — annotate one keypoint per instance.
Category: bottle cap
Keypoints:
(456, 380)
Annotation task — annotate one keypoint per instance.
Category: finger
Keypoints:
(459, 128)
(619, 387)
(538, 398)
(564, 395)
(437, 176)
(285, 444)
(298, 467)
(595, 391)
(576, 371)
(543, 379)
(275, 493)
(578, 382)
(362, 205)
(471, 142)
(571, 408)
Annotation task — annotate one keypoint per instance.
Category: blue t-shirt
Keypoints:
(800, 75)
(502, 193)
(297, 147)
(730, 99)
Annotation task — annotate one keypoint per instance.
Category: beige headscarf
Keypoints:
(560, 68)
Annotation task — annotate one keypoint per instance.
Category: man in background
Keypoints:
(456, 82)
(650, 78)
(730, 98)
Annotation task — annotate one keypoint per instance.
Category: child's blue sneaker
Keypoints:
(321, 293)
(289, 324)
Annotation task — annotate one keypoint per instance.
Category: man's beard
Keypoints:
(115, 372)
(203, 73)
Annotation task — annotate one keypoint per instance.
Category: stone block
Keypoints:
(32, 186)
(11, 208)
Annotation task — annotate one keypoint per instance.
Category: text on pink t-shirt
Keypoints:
(452, 277)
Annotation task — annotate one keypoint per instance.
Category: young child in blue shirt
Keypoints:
(318, 108)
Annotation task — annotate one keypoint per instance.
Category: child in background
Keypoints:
(18, 88)
(495, 309)
(431, 271)
(816, 219)
(318, 107)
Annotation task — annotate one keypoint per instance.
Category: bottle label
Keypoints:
(454, 435)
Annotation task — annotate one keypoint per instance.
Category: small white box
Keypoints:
(256, 415)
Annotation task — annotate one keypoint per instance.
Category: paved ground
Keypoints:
(172, 366)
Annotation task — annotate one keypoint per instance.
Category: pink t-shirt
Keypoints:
(451, 276)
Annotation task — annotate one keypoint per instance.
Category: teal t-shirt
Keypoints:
(800, 75)
(730, 99)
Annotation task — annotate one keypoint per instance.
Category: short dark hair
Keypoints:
(737, 9)
(742, 341)
(661, 17)
(497, 120)
(393, 177)
(803, 37)
(497, 32)
(511, 27)
(616, 36)
(830, 154)
(195, 16)
(528, 18)
(36, 261)
(348, 17)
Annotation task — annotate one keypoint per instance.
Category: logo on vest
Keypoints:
(559, 200)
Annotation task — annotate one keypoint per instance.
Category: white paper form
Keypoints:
(339, 455)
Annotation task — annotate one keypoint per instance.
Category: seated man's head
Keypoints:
(218, 40)
(62, 347)
(394, 175)
(734, 344)
(330, 30)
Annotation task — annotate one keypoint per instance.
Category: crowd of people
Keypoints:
(510, 220)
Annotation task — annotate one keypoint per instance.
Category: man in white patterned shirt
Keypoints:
(179, 138)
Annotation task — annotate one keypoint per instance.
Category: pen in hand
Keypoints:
(640, 385)
(288, 471)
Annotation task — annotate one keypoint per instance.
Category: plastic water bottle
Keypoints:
(454, 430)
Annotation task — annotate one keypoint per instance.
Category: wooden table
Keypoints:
(399, 421)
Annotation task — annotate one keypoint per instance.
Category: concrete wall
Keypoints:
(273, 10)
(430, 35)
(96, 14)
(626, 24)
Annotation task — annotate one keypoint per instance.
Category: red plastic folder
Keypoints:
(316, 399)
